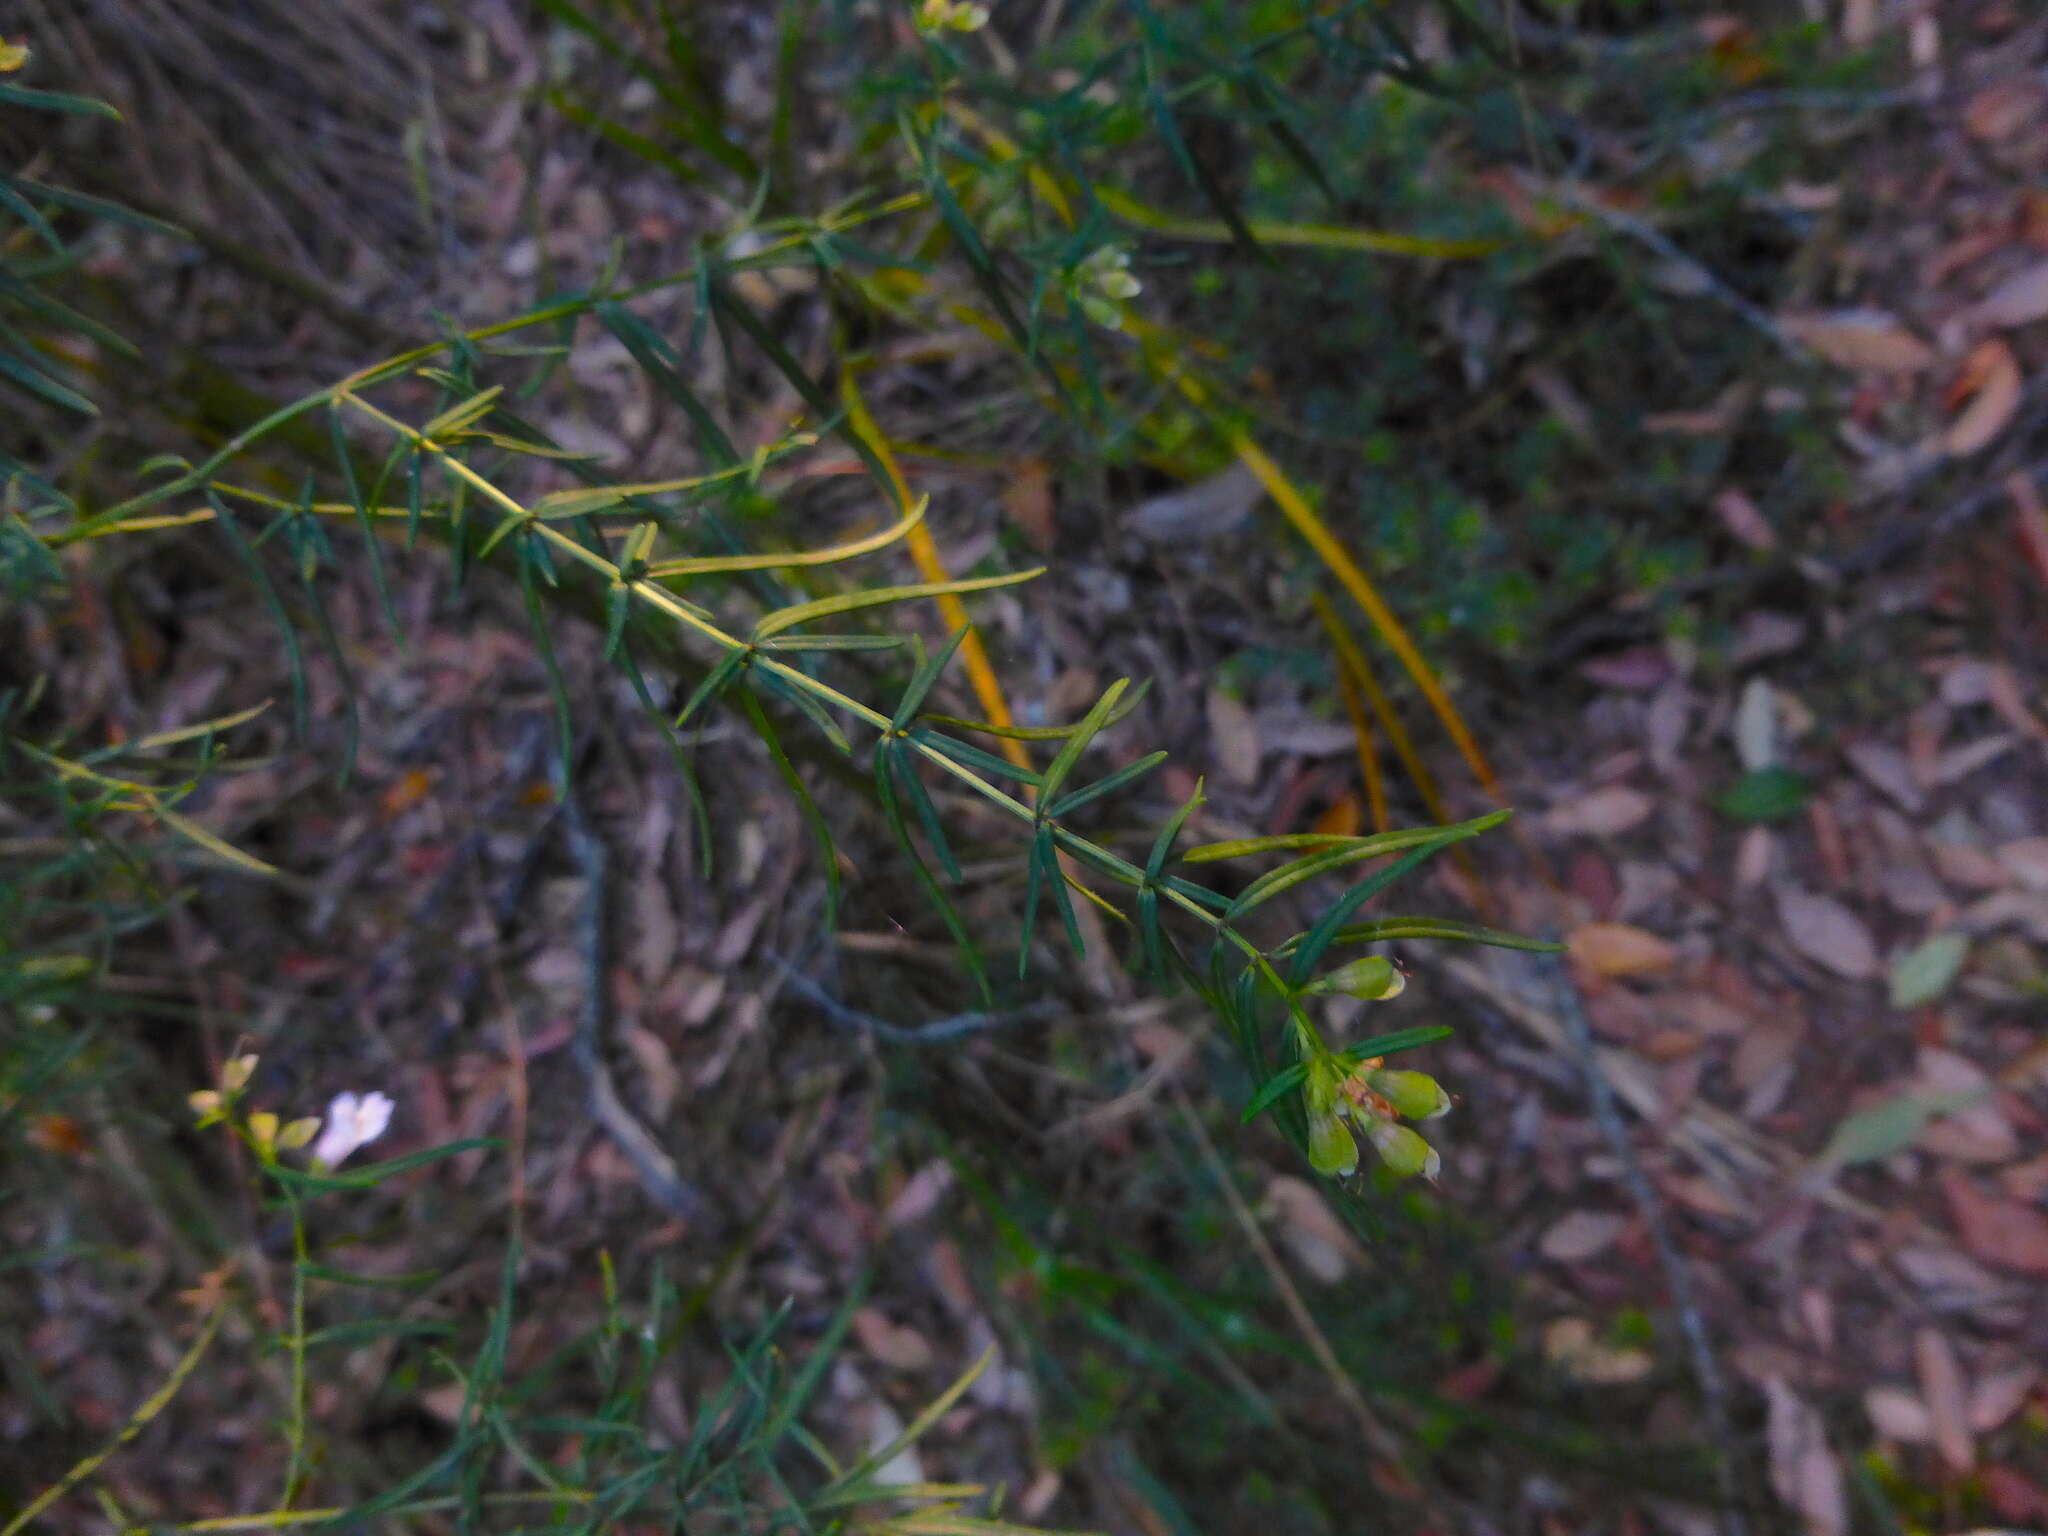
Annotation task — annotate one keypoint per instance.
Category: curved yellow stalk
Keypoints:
(925, 551)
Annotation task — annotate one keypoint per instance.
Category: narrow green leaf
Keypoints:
(790, 559)
(1162, 846)
(544, 646)
(192, 832)
(55, 101)
(1129, 703)
(1396, 928)
(1308, 954)
(229, 529)
(811, 708)
(1273, 1089)
(891, 770)
(973, 757)
(924, 679)
(927, 812)
(27, 212)
(618, 607)
(372, 1174)
(1084, 733)
(715, 682)
(458, 416)
(801, 644)
(98, 208)
(40, 384)
(345, 459)
(636, 144)
(414, 500)
(1042, 848)
(1287, 876)
(1394, 1043)
(851, 602)
(1366, 847)
(1108, 784)
(814, 819)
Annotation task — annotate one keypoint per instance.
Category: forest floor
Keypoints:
(1759, 1164)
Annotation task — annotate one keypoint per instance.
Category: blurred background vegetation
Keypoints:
(1443, 404)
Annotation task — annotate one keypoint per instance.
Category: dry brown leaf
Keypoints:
(2020, 300)
(1998, 1231)
(1952, 1282)
(1570, 1343)
(919, 1197)
(1310, 1231)
(1885, 769)
(1941, 1388)
(1897, 1414)
(1971, 868)
(1581, 1235)
(1803, 1470)
(1603, 813)
(1027, 499)
(1990, 381)
(1745, 523)
(898, 1346)
(2004, 107)
(1764, 633)
(1705, 1013)
(2027, 1181)
(660, 1082)
(1235, 737)
(1976, 1130)
(1825, 931)
(1205, 510)
(1619, 949)
(1958, 763)
(1754, 857)
(2027, 859)
(2030, 530)
(1999, 1393)
(1866, 340)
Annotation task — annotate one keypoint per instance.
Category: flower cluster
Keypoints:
(352, 1120)
(950, 16)
(1375, 1099)
(1102, 283)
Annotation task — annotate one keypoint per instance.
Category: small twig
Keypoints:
(1658, 243)
(137, 1422)
(657, 1170)
(1677, 1274)
(1376, 1434)
(951, 1028)
(1899, 537)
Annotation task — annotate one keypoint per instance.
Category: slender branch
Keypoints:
(1677, 1274)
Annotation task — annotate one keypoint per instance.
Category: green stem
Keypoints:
(295, 1423)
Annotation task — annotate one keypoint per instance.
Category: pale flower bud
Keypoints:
(1331, 1149)
(1415, 1095)
(236, 1071)
(1404, 1152)
(1372, 979)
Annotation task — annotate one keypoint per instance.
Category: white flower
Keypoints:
(352, 1121)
